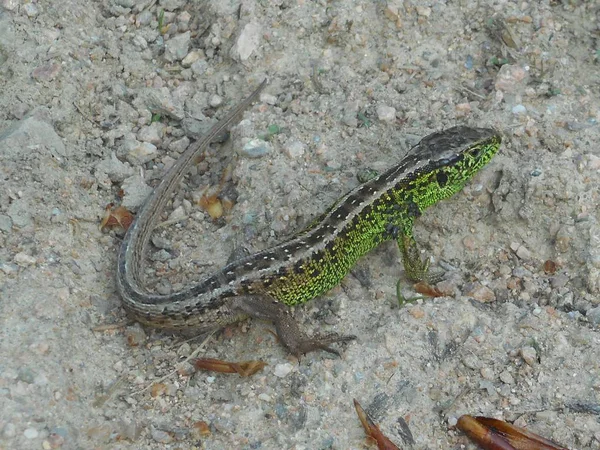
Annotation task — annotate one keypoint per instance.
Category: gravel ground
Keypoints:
(99, 98)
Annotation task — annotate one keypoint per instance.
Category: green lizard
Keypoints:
(267, 283)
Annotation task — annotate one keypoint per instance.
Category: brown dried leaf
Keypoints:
(202, 428)
(426, 289)
(120, 217)
(550, 267)
(244, 368)
(212, 205)
(372, 430)
(494, 434)
(158, 389)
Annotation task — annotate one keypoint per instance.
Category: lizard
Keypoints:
(268, 283)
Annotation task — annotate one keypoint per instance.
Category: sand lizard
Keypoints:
(265, 284)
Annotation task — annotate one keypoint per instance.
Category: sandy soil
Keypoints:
(99, 98)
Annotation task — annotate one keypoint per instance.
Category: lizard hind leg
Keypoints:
(296, 341)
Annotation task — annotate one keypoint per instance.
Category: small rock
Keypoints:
(161, 242)
(489, 387)
(386, 113)
(11, 5)
(47, 72)
(593, 162)
(248, 41)
(160, 436)
(417, 312)
(472, 362)
(31, 433)
(463, 109)
(511, 78)
(255, 148)
(519, 110)
(24, 260)
(487, 373)
(144, 18)
(177, 214)
(180, 145)
(19, 110)
(138, 153)
(135, 335)
(392, 12)
(160, 101)
(424, 11)
(177, 47)
(529, 355)
(481, 293)
(30, 9)
(152, 133)
(506, 377)
(593, 315)
(135, 192)
(160, 256)
(294, 149)
(558, 281)
(215, 100)
(268, 98)
(192, 57)
(199, 67)
(282, 370)
(172, 5)
(523, 253)
(113, 168)
(40, 379)
(265, 397)
(32, 135)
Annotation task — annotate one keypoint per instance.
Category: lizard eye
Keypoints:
(476, 152)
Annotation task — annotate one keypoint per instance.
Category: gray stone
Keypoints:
(247, 42)
(135, 192)
(593, 315)
(177, 47)
(138, 152)
(114, 169)
(255, 148)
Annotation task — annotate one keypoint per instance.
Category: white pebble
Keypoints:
(386, 113)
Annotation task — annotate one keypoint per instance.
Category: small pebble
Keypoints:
(529, 355)
(593, 315)
(506, 377)
(177, 47)
(177, 214)
(523, 253)
(511, 78)
(487, 373)
(248, 41)
(31, 433)
(265, 397)
(268, 98)
(160, 436)
(255, 148)
(481, 293)
(282, 370)
(294, 149)
(386, 113)
(215, 100)
(23, 259)
(191, 58)
(519, 109)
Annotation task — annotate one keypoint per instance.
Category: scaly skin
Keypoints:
(315, 260)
